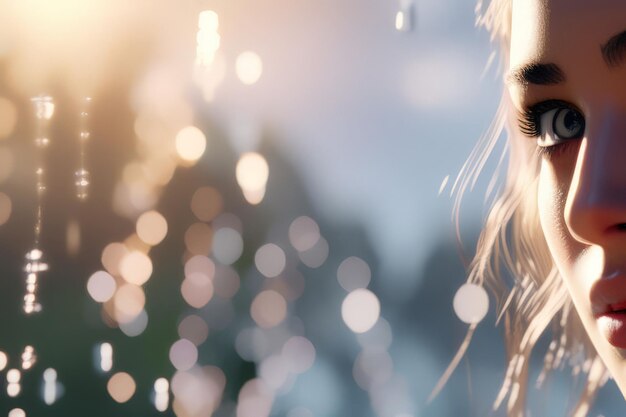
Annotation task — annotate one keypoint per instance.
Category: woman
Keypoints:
(559, 225)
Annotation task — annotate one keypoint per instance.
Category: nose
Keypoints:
(595, 210)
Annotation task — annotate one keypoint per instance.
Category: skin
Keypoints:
(582, 188)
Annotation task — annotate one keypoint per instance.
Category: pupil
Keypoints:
(572, 121)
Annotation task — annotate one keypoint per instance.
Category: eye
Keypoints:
(560, 124)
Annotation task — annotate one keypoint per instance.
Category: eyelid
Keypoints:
(530, 117)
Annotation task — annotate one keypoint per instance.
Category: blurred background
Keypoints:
(242, 208)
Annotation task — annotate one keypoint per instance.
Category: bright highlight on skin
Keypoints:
(471, 303)
(249, 67)
(360, 310)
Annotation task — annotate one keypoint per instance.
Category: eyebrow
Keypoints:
(536, 73)
(613, 53)
(614, 50)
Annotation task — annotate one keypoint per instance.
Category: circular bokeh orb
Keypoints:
(471, 303)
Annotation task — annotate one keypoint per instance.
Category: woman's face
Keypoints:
(567, 78)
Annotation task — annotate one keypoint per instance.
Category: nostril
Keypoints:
(621, 226)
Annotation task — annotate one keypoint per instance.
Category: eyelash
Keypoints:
(530, 125)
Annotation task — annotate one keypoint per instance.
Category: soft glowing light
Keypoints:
(29, 358)
(44, 107)
(13, 382)
(471, 303)
(106, 357)
(303, 233)
(8, 119)
(194, 329)
(299, 353)
(209, 20)
(183, 355)
(268, 309)
(136, 326)
(151, 227)
(50, 386)
(254, 197)
(317, 255)
(255, 399)
(129, 301)
(198, 238)
(161, 394)
(14, 376)
(136, 268)
(5, 208)
(360, 310)
(404, 17)
(354, 273)
(4, 360)
(249, 67)
(190, 144)
(206, 203)
(274, 371)
(252, 171)
(112, 256)
(200, 264)
(121, 387)
(197, 290)
(17, 412)
(101, 286)
(270, 260)
(227, 245)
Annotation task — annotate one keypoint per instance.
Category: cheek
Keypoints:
(551, 199)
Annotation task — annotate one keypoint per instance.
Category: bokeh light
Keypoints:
(194, 329)
(105, 356)
(268, 309)
(252, 173)
(129, 300)
(4, 360)
(270, 260)
(17, 412)
(471, 303)
(227, 245)
(197, 290)
(354, 273)
(183, 354)
(161, 394)
(136, 326)
(190, 144)
(101, 286)
(304, 233)
(249, 67)
(151, 227)
(255, 399)
(299, 354)
(199, 238)
(112, 256)
(360, 310)
(136, 268)
(121, 387)
(317, 255)
(206, 203)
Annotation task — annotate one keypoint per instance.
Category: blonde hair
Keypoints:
(512, 239)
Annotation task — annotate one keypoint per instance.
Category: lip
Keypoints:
(608, 305)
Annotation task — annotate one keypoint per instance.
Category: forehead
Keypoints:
(557, 30)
